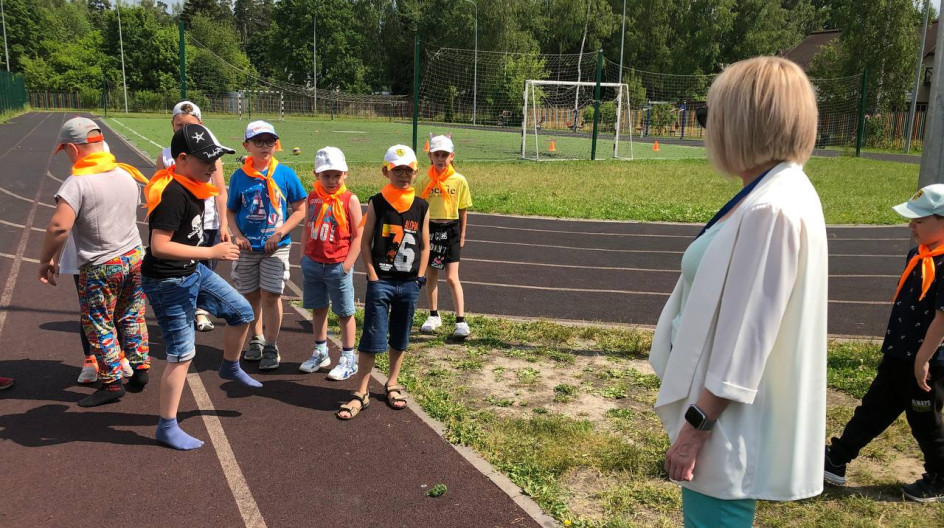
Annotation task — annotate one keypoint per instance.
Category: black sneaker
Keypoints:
(834, 474)
(929, 488)
(270, 357)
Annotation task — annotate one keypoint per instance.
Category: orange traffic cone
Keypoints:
(553, 148)
(427, 146)
(655, 146)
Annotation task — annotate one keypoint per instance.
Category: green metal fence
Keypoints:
(12, 92)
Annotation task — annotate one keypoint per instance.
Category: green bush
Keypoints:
(607, 116)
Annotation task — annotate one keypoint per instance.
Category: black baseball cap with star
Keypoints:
(197, 140)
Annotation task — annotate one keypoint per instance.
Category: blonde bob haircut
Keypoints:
(760, 111)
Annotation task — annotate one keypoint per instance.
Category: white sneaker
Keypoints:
(345, 368)
(431, 324)
(89, 372)
(126, 370)
(319, 359)
(461, 331)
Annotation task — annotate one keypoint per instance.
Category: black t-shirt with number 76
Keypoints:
(395, 242)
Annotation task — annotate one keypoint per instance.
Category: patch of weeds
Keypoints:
(499, 402)
(469, 364)
(561, 356)
(564, 393)
(437, 491)
(616, 391)
(639, 379)
(607, 373)
(851, 366)
(619, 413)
(499, 373)
(528, 375)
(539, 410)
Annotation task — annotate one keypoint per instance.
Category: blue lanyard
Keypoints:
(732, 202)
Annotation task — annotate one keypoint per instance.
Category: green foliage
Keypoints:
(607, 116)
(208, 67)
(661, 116)
(437, 491)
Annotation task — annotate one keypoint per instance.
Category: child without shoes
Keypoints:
(395, 251)
(261, 194)
(447, 192)
(910, 377)
(215, 226)
(331, 241)
(176, 283)
(98, 205)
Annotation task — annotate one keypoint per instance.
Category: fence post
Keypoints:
(861, 131)
(596, 107)
(416, 88)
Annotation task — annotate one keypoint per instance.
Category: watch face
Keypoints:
(694, 417)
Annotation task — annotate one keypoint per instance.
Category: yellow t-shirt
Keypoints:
(439, 208)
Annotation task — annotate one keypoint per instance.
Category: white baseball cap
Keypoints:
(330, 158)
(260, 127)
(186, 108)
(399, 156)
(926, 202)
(441, 144)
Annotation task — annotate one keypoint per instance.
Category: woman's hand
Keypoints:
(680, 458)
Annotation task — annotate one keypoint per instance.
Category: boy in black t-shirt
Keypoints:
(395, 251)
(176, 284)
(910, 377)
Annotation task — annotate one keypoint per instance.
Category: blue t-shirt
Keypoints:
(910, 317)
(256, 217)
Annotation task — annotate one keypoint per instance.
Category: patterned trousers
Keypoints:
(113, 304)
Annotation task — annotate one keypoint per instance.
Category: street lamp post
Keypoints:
(622, 41)
(5, 50)
(475, 78)
(121, 43)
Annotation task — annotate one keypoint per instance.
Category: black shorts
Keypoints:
(444, 243)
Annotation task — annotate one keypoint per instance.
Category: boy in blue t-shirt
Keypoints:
(910, 378)
(266, 202)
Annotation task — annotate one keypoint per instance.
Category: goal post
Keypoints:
(557, 119)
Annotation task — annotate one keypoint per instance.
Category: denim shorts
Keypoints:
(389, 304)
(175, 300)
(324, 282)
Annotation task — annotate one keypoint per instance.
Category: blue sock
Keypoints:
(231, 370)
(171, 434)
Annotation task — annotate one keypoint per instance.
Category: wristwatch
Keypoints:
(698, 419)
(420, 281)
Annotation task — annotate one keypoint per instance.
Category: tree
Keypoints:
(150, 49)
(212, 9)
(216, 62)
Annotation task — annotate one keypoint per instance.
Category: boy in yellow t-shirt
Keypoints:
(447, 192)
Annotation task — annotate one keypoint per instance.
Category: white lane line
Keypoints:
(573, 248)
(25, 199)
(248, 508)
(25, 259)
(135, 132)
(21, 226)
(7, 297)
(17, 144)
(49, 174)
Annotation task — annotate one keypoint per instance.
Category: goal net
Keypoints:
(557, 120)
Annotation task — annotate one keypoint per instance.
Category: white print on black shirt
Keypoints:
(197, 225)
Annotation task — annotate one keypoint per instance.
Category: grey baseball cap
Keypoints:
(926, 202)
(79, 131)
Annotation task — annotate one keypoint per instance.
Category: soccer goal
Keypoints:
(557, 121)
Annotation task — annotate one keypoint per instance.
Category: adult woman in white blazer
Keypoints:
(741, 343)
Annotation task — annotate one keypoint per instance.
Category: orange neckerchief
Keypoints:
(155, 189)
(925, 255)
(400, 200)
(436, 180)
(99, 162)
(275, 194)
(332, 201)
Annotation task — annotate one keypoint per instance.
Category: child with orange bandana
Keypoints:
(395, 250)
(447, 192)
(331, 244)
(176, 284)
(261, 193)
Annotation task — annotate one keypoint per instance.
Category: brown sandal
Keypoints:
(351, 409)
(393, 400)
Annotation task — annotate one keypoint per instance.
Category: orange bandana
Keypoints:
(925, 255)
(99, 162)
(162, 178)
(333, 202)
(436, 180)
(398, 198)
(275, 194)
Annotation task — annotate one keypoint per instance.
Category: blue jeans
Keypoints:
(324, 282)
(702, 511)
(176, 300)
(388, 305)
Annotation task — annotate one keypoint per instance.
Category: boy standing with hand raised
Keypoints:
(176, 284)
(395, 250)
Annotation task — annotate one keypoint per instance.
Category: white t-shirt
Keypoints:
(211, 217)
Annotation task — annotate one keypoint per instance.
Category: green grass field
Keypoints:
(685, 189)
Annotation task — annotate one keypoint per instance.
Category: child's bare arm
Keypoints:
(163, 247)
(462, 224)
(221, 199)
(238, 237)
(932, 340)
(354, 220)
(424, 247)
(298, 214)
(366, 242)
(56, 233)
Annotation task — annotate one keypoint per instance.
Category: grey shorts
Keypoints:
(259, 270)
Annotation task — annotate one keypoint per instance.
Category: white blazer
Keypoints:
(753, 331)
